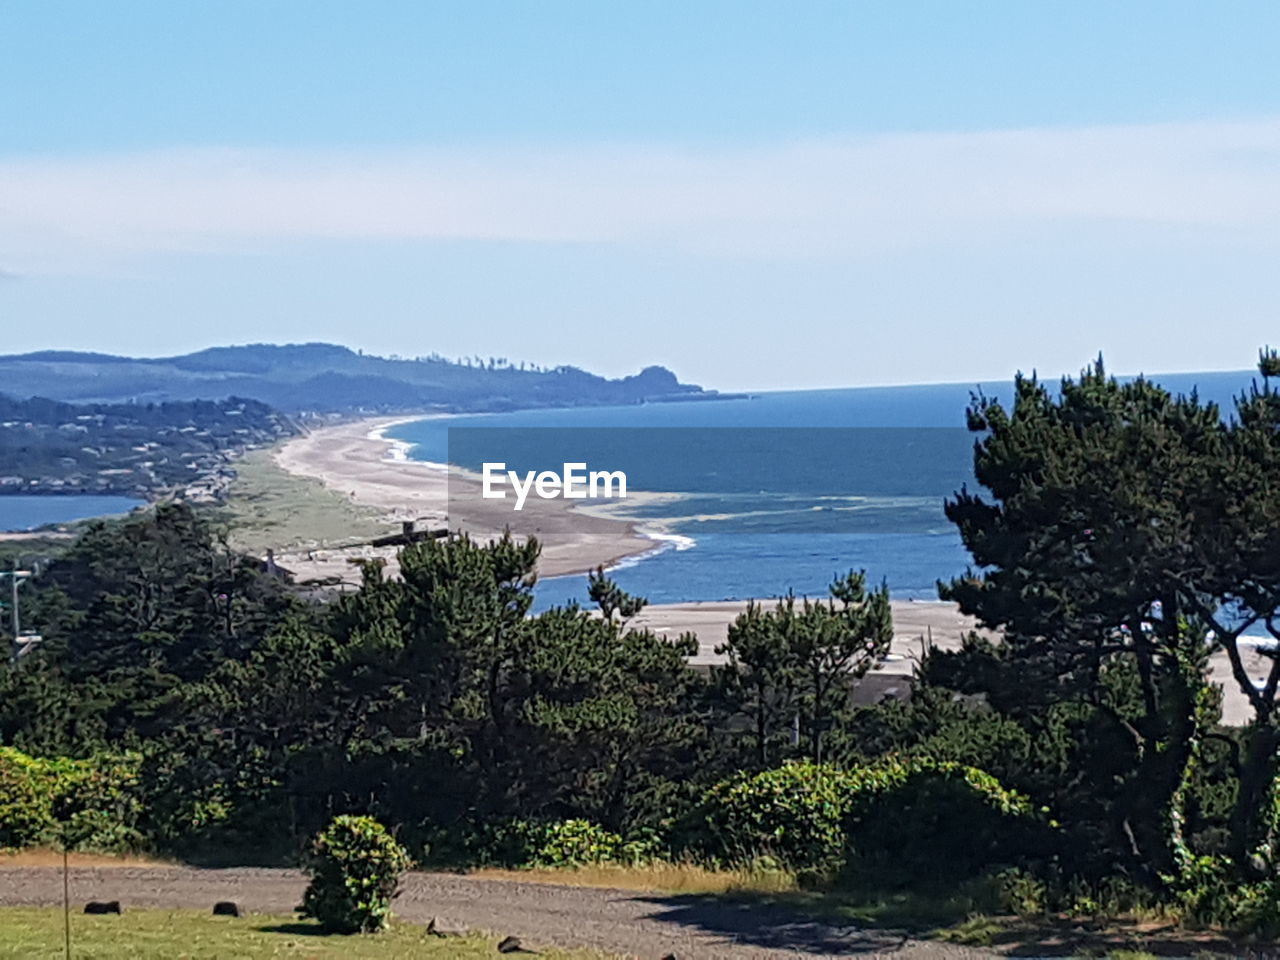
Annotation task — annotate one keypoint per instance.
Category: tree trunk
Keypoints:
(1252, 821)
(1169, 742)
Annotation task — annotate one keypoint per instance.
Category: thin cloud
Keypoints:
(827, 197)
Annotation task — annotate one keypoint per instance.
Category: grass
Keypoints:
(657, 877)
(270, 507)
(36, 933)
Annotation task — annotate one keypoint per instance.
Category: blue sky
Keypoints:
(758, 195)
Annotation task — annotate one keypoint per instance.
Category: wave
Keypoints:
(664, 543)
(678, 541)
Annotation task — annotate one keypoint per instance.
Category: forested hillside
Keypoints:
(325, 378)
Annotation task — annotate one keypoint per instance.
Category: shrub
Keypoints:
(794, 814)
(943, 822)
(80, 804)
(1204, 891)
(1019, 892)
(563, 843)
(26, 800)
(1208, 894)
(98, 803)
(355, 867)
(814, 818)
(1257, 911)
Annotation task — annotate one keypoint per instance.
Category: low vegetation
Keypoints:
(267, 506)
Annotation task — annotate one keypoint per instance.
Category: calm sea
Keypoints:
(755, 497)
(23, 512)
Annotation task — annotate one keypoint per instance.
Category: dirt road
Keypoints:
(621, 922)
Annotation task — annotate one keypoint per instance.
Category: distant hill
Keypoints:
(325, 378)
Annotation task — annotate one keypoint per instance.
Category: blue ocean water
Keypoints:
(755, 497)
(24, 512)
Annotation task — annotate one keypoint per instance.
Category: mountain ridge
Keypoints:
(327, 378)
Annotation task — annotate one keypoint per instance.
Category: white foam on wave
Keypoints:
(400, 451)
(662, 543)
(678, 541)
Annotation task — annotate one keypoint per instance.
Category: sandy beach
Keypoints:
(352, 459)
(915, 625)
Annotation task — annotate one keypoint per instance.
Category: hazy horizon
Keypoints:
(1248, 370)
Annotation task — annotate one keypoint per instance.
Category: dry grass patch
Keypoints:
(652, 878)
(270, 507)
(42, 857)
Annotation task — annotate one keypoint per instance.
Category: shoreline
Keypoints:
(357, 460)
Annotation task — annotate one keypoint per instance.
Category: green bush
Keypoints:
(1208, 894)
(1257, 911)
(26, 801)
(355, 867)
(80, 804)
(563, 843)
(814, 818)
(794, 814)
(1204, 891)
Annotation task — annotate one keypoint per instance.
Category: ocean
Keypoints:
(28, 511)
(759, 496)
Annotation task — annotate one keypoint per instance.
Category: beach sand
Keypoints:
(353, 460)
(916, 625)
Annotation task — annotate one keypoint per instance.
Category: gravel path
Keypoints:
(618, 921)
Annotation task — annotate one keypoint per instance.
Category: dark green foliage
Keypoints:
(474, 710)
(355, 867)
(132, 614)
(610, 598)
(790, 668)
(1122, 529)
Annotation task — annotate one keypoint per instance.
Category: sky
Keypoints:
(757, 195)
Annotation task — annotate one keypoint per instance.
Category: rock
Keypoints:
(103, 906)
(226, 908)
(438, 929)
(510, 945)
(670, 956)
